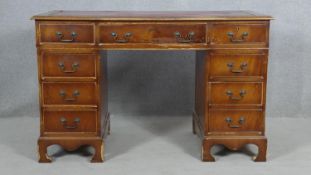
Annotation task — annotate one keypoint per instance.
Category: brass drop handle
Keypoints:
(187, 39)
(60, 37)
(232, 97)
(63, 121)
(125, 39)
(241, 69)
(233, 39)
(74, 67)
(75, 94)
(229, 121)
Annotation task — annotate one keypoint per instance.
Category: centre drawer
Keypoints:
(236, 93)
(152, 33)
(236, 121)
(70, 121)
(69, 93)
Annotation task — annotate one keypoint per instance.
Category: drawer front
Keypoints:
(236, 121)
(69, 93)
(232, 65)
(236, 93)
(152, 33)
(70, 121)
(62, 33)
(239, 33)
(68, 65)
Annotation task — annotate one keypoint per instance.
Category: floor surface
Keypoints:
(156, 145)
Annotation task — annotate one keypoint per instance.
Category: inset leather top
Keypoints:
(151, 15)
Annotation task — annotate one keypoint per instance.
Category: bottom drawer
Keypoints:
(236, 121)
(70, 121)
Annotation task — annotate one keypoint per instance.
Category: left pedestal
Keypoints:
(73, 100)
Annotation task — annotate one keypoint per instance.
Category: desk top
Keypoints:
(151, 15)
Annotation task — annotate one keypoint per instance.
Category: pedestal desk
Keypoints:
(230, 83)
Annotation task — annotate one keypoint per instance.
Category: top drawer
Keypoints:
(239, 33)
(66, 33)
(156, 33)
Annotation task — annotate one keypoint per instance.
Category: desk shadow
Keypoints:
(176, 130)
(220, 151)
(56, 152)
(125, 135)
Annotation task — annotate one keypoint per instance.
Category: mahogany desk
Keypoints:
(231, 73)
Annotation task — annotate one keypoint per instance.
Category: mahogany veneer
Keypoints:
(231, 73)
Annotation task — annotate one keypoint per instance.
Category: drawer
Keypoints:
(68, 65)
(237, 65)
(61, 33)
(152, 33)
(70, 121)
(69, 93)
(239, 33)
(236, 93)
(236, 121)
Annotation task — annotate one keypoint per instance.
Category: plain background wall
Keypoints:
(158, 83)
